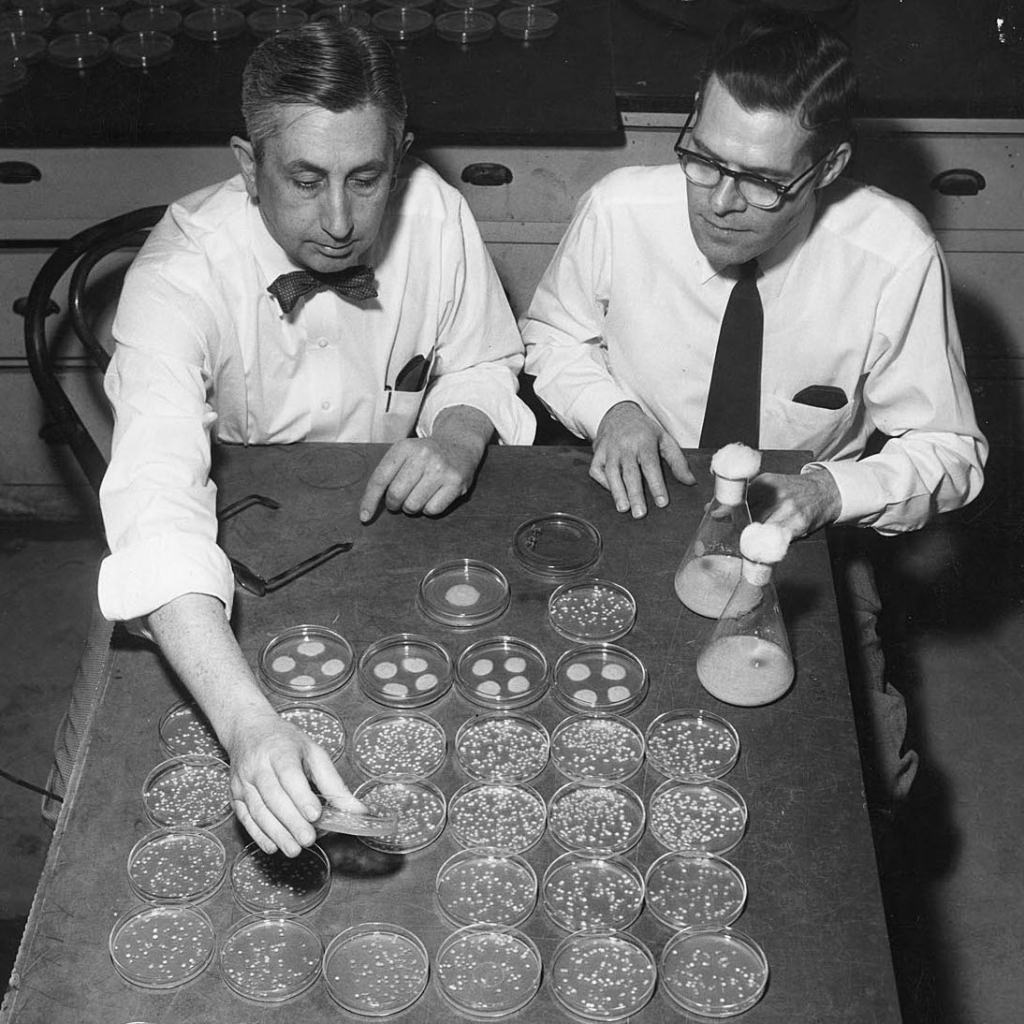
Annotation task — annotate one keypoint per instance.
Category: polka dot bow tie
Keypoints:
(357, 283)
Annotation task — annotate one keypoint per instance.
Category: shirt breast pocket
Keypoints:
(404, 398)
(794, 425)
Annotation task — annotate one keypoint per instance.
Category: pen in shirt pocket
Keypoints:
(413, 376)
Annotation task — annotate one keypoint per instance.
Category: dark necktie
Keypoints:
(733, 412)
(356, 283)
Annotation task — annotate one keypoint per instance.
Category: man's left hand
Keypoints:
(799, 503)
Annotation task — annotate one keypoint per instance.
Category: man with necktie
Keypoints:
(335, 290)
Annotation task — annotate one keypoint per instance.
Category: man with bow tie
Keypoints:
(333, 291)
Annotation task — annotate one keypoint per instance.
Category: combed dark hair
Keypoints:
(326, 64)
(772, 59)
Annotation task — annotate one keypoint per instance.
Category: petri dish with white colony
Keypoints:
(405, 671)
(321, 724)
(582, 892)
(499, 815)
(417, 805)
(482, 886)
(591, 610)
(464, 592)
(184, 729)
(709, 816)
(502, 746)
(690, 889)
(399, 744)
(177, 865)
(270, 958)
(162, 947)
(692, 745)
(305, 662)
(604, 976)
(188, 790)
(273, 883)
(596, 818)
(597, 748)
(600, 677)
(502, 672)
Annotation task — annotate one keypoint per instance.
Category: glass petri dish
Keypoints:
(600, 677)
(304, 662)
(527, 23)
(79, 50)
(184, 729)
(409, 4)
(270, 958)
(497, 815)
(177, 865)
(591, 610)
(707, 816)
(692, 745)
(143, 49)
(399, 744)
(487, 971)
(596, 818)
(715, 972)
(402, 24)
(603, 975)
(26, 47)
(466, 26)
(188, 790)
(344, 14)
(559, 545)
(502, 672)
(162, 947)
(375, 970)
(214, 24)
(483, 886)
(418, 805)
(25, 19)
(152, 19)
(273, 883)
(689, 889)
(269, 21)
(477, 5)
(463, 593)
(405, 671)
(321, 724)
(101, 20)
(597, 748)
(502, 746)
(584, 893)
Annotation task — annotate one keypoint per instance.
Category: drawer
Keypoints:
(986, 291)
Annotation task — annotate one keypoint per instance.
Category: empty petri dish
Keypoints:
(402, 24)
(375, 970)
(424, 4)
(591, 610)
(344, 14)
(600, 677)
(466, 26)
(558, 545)
(405, 671)
(26, 47)
(707, 816)
(488, 971)
(497, 815)
(463, 593)
(270, 958)
(528, 22)
(399, 744)
(482, 886)
(689, 889)
(273, 883)
(596, 818)
(177, 865)
(418, 805)
(502, 672)
(715, 972)
(79, 50)
(143, 49)
(184, 729)
(597, 748)
(188, 790)
(101, 20)
(306, 661)
(214, 24)
(152, 19)
(692, 745)
(478, 5)
(603, 975)
(502, 747)
(25, 19)
(269, 21)
(319, 723)
(586, 893)
(162, 946)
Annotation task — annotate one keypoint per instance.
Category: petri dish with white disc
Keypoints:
(188, 790)
(582, 892)
(321, 724)
(691, 745)
(708, 816)
(498, 815)
(464, 592)
(596, 818)
(691, 889)
(162, 947)
(270, 958)
(591, 610)
(600, 677)
(305, 662)
(177, 865)
(399, 744)
(597, 747)
(405, 671)
(502, 672)
(502, 746)
(603, 976)
(483, 886)
(273, 883)
(418, 807)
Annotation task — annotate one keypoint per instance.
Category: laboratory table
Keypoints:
(814, 904)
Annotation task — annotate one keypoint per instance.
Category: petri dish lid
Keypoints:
(591, 610)
(488, 971)
(604, 976)
(321, 724)
(463, 593)
(90, 19)
(502, 672)
(708, 816)
(188, 790)
(715, 972)
(689, 889)
(558, 545)
(418, 805)
(269, 21)
(214, 24)
(25, 19)
(600, 677)
(503, 816)
(528, 23)
(597, 748)
(584, 893)
(177, 865)
(162, 947)
(273, 883)
(502, 746)
(375, 969)
(152, 19)
(406, 4)
(596, 818)
(401, 24)
(143, 49)
(344, 14)
(270, 958)
(399, 744)
(483, 886)
(27, 47)
(306, 661)
(466, 26)
(692, 745)
(477, 5)
(405, 671)
(79, 50)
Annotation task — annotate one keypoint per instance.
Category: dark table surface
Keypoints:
(814, 903)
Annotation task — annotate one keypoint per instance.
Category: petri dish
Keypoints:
(591, 610)
(708, 816)
(597, 748)
(603, 975)
(498, 815)
(375, 969)
(689, 889)
(399, 744)
(321, 724)
(596, 818)
(559, 545)
(483, 886)
(600, 677)
(270, 958)
(25, 19)
(184, 729)
(101, 20)
(402, 24)
(214, 24)
(79, 50)
(162, 947)
(405, 671)
(273, 883)
(502, 672)
(355, 823)
(418, 805)
(177, 865)
(26, 47)
(143, 49)
(715, 972)
(304, 662)
(477, 5)
(344, 14)
(188, 790)
(502, 746)
(692, 745)
(584, 893)
(269, 21)
(527, 23)
(463, 593)
(470, 25)
(152, 19)
(488, 971)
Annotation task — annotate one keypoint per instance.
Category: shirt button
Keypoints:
(325, 405)
(322, 342)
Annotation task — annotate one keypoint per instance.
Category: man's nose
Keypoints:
(726, 197)
(336, 214)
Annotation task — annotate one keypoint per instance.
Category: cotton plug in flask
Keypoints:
(707, 575)
(747, 661)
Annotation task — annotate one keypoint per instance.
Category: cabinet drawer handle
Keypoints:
(486, 174)
(960, 181)
(18, 172)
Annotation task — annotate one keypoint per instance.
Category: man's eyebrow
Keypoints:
(304, 165)
(775, 173)
(307, 165)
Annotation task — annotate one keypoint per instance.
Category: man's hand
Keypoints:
(799, 503)
(628, 451)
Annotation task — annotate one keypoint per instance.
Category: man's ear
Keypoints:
(836, 164)
(243, 151)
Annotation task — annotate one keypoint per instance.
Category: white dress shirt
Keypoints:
(856, 297)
